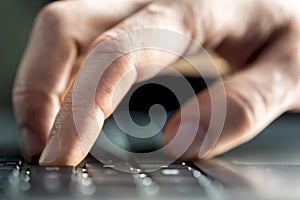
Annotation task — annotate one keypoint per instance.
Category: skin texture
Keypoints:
(261, 43)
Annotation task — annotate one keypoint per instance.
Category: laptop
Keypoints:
(267, 167)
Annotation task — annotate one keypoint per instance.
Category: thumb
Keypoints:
(234, 111)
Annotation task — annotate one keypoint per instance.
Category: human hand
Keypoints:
(260, 42)
(62, 35)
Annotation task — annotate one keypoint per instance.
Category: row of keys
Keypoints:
(92, 179)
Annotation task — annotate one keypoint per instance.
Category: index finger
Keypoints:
(106, 75)
(57, 43)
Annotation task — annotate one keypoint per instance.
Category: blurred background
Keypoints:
(16, 19)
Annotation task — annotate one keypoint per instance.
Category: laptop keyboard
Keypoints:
(92, 179)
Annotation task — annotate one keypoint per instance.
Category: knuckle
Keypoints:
(53, 16)
(15, 91)
(19, 92)
(114, 41)
(242, 111)
(170, 9)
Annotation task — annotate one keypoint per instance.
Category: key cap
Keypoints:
(177, 181)
(50, 180)
(10, 164)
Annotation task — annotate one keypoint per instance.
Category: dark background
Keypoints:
(16, 19)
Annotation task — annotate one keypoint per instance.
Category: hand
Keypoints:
(62, 35)
(261, 42)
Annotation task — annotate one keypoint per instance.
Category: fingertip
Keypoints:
(55, 154)
(31, 144)
(63, 150)
(51, 151)
(184, 138)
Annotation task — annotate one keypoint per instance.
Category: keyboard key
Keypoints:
(50, 180)
(10, 164)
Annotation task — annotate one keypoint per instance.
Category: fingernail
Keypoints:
(51, 151)
(185, 138)
(31, 144)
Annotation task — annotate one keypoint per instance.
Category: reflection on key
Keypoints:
(25, 180)
(170, 171)
(146, 185)
(152, 189)
(87, 187)
(50, 179)
(52, 182)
